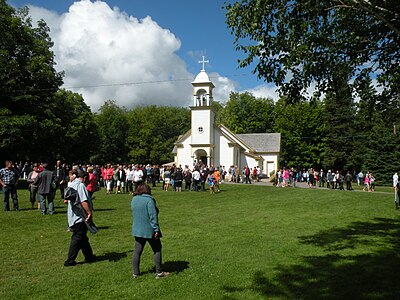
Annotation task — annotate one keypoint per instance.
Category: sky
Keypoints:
(143, 52)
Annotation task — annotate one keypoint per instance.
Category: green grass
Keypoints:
(248, 242)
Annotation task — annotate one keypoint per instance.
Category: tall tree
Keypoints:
(245, 113)
(296, 43)
(28, 81)
(339, 117)
(303, 128)
(113, 126)
(153, 132)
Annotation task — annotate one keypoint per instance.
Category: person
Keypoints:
(187, 176)
(166, 178)
(371, 182)
(196, 179)
(178, 178)
(109, 174)
(121, 178)
(45, 182)
(9, 177)
(33, 189)
(145, 228)
(349, 178)
(211, 182)
(79, 238)
(91, 185)
(217, 178)
(366, 182)
(137, 177)
(396, 190)
(60, 174)
(247, 174)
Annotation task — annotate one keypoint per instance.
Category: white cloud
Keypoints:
(98, 45)
(265, 91)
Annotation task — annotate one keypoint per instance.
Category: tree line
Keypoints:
(348, 125)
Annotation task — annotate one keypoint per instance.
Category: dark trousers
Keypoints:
(348, 185)
(187, 185)
(155, 245)
(129, 186)
(62, 188)
(7, 190)
(195, 185)
(79, 241)
(248, 179)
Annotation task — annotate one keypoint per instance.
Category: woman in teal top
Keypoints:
(145, 228)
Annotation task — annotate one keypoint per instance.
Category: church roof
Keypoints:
(262, 142)
(202, 77)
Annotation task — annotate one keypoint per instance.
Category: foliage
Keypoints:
(339, 118)
(244, 113)
(303, 128)
(296, 44)
(28, 81)
(113, 127)
(305, 244)
(153, 131)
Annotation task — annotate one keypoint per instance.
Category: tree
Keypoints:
(153, 132)
(303, 128)
(77, 139)
(296, 44)
(28, 81)
(113, 126)
(339, 118)
(244, 113)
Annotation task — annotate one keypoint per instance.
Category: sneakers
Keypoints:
(161, 275)
(134, 276)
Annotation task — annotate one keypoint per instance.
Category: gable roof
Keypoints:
(262, 142)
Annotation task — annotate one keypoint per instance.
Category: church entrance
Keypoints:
(201, 156)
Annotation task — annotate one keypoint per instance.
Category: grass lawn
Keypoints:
(247, 242)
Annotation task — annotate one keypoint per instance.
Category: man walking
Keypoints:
(45, 181)
(9, 180)
(79, 238)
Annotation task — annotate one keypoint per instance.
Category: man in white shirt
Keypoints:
(196, 179)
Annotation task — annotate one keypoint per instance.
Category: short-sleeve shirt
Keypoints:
(73, 215)
(9, 176)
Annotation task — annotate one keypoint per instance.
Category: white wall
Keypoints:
(184, 154)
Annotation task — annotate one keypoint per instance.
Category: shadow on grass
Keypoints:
(171, 266)
(112, 256)
(103, 209)
(175, 266)
(337, 276)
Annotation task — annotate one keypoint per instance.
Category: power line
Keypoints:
(123, 83)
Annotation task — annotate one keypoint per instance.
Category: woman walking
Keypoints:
(145, 228)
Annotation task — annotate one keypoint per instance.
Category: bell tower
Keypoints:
(202, 116)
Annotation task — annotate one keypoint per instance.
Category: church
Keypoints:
(217, 145)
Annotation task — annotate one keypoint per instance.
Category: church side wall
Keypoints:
(184, 154)
(223, 152)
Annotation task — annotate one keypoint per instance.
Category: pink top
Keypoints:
(366, 180)
(91, 186)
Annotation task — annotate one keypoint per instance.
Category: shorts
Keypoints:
(120, 183)
(166, 180)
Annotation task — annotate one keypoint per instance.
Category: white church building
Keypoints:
(217, 145)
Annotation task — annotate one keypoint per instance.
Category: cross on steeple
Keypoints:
(203, 62)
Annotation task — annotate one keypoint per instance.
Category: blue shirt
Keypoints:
(145, 216)
(72, 213)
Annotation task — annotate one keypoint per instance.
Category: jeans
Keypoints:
(7, 190)
(155, 245)
(79, 241)
(42, 199)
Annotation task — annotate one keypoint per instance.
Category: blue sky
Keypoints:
(198, 25)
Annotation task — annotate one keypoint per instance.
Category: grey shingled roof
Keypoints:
(262, 142)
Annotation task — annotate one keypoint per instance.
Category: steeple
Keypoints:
(203, 87)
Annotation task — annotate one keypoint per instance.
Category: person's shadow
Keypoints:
(175, 266)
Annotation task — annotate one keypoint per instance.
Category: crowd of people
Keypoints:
(288, 177)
